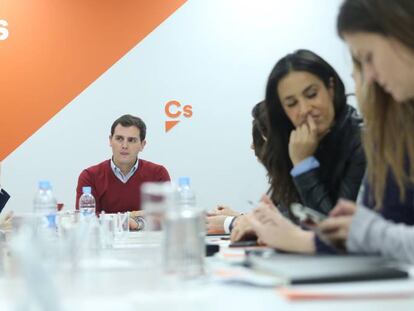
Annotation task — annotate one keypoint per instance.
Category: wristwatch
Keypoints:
(140, 222)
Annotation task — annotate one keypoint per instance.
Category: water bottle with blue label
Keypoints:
(45, 204)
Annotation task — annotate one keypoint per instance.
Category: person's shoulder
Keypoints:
(353, 119)
(97, 168)
(153, 170)
(351, 136)
(150, 165)
(350, 127)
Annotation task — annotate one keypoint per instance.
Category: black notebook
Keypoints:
(307, 269)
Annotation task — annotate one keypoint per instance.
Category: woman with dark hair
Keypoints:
(313, 154)
(259, 130)
(380, 35)
(221, 219)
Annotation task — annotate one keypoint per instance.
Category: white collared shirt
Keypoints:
(118, 173)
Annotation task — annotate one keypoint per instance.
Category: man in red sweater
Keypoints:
(116, 183)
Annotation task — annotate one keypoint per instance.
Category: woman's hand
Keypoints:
(215, 219)
(224, 210)
(242, 230)
(303, 141)
(274, 230)
(215, 224)
(6, 221)
(335, 229)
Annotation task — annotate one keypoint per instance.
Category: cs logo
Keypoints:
(174, 110)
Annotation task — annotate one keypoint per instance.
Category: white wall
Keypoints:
(214, 55)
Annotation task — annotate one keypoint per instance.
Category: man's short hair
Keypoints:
(128, 120)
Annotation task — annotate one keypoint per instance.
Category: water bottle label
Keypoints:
(51, 220)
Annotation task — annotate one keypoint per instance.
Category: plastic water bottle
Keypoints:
(89, 223)
(184, 236)
(185, 194)
(87, 204)
(45, 203)
(45, 224)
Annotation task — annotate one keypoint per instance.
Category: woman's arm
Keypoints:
(371, 233)
(314, 193)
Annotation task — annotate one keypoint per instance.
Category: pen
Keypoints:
(252, 203)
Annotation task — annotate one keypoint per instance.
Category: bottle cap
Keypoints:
(45, 185)
(184, 181)
(87, 189)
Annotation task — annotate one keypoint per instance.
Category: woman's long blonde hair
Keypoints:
(388, 139)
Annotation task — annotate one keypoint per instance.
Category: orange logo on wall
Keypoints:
(174, 110)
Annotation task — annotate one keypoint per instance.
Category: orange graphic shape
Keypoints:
(56, 49)
(170, 124)
(169, 113)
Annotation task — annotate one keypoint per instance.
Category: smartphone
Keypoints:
(244, 243)
(307, 215)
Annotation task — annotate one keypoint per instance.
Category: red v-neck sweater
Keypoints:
(111, 194)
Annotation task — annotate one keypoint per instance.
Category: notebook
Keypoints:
(311, 269)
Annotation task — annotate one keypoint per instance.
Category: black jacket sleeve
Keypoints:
(4, 197)
(320, 194)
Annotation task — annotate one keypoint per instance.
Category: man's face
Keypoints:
(126, 145)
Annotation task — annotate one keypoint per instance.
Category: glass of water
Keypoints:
(156, 198)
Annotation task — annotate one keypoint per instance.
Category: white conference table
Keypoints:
(127, 278)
